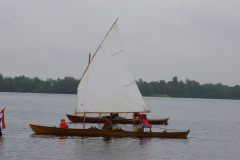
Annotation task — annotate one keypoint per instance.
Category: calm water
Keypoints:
(214, 125)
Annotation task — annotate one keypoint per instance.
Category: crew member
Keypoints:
(63, 124)
(108, 124)
(139, 127)
(114, 116)
(137, 115)
(145, 122)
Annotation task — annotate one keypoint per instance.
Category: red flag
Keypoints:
(2, 119)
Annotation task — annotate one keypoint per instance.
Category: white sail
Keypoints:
(108, 86)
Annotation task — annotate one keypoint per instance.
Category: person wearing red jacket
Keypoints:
(63, 124)
(145, 122)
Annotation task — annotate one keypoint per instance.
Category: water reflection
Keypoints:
(107, 139)
(62, 140)
(63, 137)
(144, 142)
(82, 142)
(34, 135)
(2, 143)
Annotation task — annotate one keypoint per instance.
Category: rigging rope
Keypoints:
(166, 129)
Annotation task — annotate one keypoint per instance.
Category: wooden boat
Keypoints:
(96, 132)
(76, 119)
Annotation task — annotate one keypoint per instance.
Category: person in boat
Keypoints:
(63, 124)
(145, 122)
(108, 124)
(138, 127)
(114, 116)
(138, 115)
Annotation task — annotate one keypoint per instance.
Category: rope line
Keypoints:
(167, 129)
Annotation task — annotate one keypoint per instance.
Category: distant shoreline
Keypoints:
(160, 95)
(174, 88)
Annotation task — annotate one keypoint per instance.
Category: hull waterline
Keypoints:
(113, 133)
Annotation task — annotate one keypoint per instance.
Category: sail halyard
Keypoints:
(107, 85)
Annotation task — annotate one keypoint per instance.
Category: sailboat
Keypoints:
(108, 86)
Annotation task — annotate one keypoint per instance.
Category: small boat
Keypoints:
(96, 132)
(76, 119)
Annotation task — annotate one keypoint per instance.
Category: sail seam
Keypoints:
(129, 84)
(117, 52)
(108, 77)
(118, 93)
(121, 92)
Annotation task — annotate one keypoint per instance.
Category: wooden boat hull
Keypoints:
(76, 119)
(113, 133)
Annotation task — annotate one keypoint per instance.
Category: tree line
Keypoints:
(35, 85)
(174, 88)
(189, 89)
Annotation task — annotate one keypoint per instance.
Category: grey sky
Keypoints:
(197, 39)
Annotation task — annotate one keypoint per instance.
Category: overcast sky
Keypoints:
(194, 39)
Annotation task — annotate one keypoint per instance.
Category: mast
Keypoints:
(89, 60)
